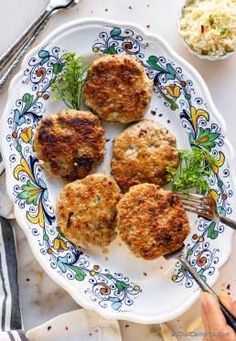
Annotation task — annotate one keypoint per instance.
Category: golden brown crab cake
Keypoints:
(141, 154)
(70, 144)
(117, 88)
(87, 210)
(152, 221)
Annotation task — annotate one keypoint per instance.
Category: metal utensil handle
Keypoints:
(202, 284)
(22, 52)
(9, 54)
(227, 221)
(230, 319)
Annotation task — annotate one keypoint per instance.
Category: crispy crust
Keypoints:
(141, 154)
(70, 144)
(151, 221)
(87, 209)
(117, 88)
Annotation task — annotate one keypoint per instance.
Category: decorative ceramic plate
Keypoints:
(119, 285)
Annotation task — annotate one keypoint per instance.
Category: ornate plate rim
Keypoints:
(134, 317)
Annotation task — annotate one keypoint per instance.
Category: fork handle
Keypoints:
(227, 221)
(14, 48)
(230, 319)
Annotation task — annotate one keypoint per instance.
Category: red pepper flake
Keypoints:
(202, 28)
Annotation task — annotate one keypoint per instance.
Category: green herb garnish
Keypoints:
(224, 31)
(191, 174)
(69, 83)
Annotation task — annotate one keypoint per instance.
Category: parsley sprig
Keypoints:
(69, 84)
(191, 174)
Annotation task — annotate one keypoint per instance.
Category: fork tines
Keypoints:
(201, 205)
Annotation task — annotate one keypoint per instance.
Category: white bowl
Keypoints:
(201, 56)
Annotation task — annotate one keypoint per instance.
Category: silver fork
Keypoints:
(13, 56)
(204, 206)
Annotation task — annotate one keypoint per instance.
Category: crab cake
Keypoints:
(117, 88)
(70, 144)
(141, 154)
(87, 210)
(151, 221)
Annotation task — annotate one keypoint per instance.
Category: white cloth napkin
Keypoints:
(78, 325)
(6, 206)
